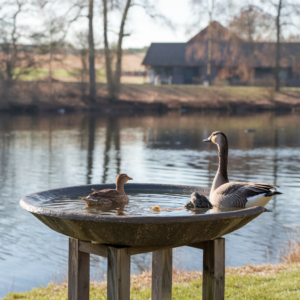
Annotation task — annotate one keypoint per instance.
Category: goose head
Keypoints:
(218, 138)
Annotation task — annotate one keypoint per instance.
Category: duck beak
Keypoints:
(207, 140)
(129, 178)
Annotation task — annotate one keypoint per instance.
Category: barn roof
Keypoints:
(223, 54)
(227, 50)
(219, 34)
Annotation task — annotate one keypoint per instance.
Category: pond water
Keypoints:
(140, 204)
(50, 151)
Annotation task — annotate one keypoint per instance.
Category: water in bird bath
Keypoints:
(140, 204)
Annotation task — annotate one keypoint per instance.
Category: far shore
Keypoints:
(45, 96)
(279, 281)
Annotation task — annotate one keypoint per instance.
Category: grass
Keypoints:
(291, 253)
(280, 281)
(41, 73)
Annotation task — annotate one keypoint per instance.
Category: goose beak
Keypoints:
(207, 140)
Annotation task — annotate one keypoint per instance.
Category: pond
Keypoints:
(40, 152)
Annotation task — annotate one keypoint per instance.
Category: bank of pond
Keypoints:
(279, 281)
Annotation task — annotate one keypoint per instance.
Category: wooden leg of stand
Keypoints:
(118, 274)
(78, 272)
(162, 275)
(214, 270)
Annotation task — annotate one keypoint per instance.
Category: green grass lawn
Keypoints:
(40, 73)
(281, 284)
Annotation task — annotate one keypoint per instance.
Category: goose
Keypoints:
(109, 196)
(241, 194)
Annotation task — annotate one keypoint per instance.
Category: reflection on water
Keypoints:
(51, 151)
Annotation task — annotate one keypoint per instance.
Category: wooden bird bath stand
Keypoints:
(118, 270)
(118, 237)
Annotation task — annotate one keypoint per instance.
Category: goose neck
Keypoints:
(223, 160)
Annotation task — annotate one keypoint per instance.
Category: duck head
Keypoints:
(218, 138)
(121, 180)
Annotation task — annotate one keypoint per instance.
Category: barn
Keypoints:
(233, 61)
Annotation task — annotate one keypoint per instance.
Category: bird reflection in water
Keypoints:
(117, 209)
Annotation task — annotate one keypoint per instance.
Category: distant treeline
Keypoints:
(35, 34)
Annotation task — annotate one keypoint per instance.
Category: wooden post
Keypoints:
(162, 275)
(214, 270)
(118, 274)
(78, 272)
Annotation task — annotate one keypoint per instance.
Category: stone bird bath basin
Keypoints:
(136, 231)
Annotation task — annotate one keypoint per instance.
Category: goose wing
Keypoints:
(243, 181)
(107, 193)
(237, 193)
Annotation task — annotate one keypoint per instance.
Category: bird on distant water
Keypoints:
(249, 130)
(109, 196)
(237, 193)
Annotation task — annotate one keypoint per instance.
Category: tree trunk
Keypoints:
(277, 67)
(109, 77)
(209, 45)
(92, 76)
(118, 70)
(50, 63)
(209, 54)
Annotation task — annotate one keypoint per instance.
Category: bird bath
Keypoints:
(117, 237)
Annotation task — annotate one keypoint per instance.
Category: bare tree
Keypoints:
(113, 78)
(119, 45)
(92, 75)
(107, 53)
(208, 9)
(82, 45)
(113, 75)
(252, 24)
(56, 26)
(278, 6)
(16, 58)
(283, 13)
(52, 40)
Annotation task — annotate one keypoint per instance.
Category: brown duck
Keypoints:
(109, 196)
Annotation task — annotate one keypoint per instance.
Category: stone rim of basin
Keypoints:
(31, 204)
(137, 231)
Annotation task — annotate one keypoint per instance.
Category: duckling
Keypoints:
(198, 201)
(109, 196)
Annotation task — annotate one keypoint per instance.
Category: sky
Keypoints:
(143, 29)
